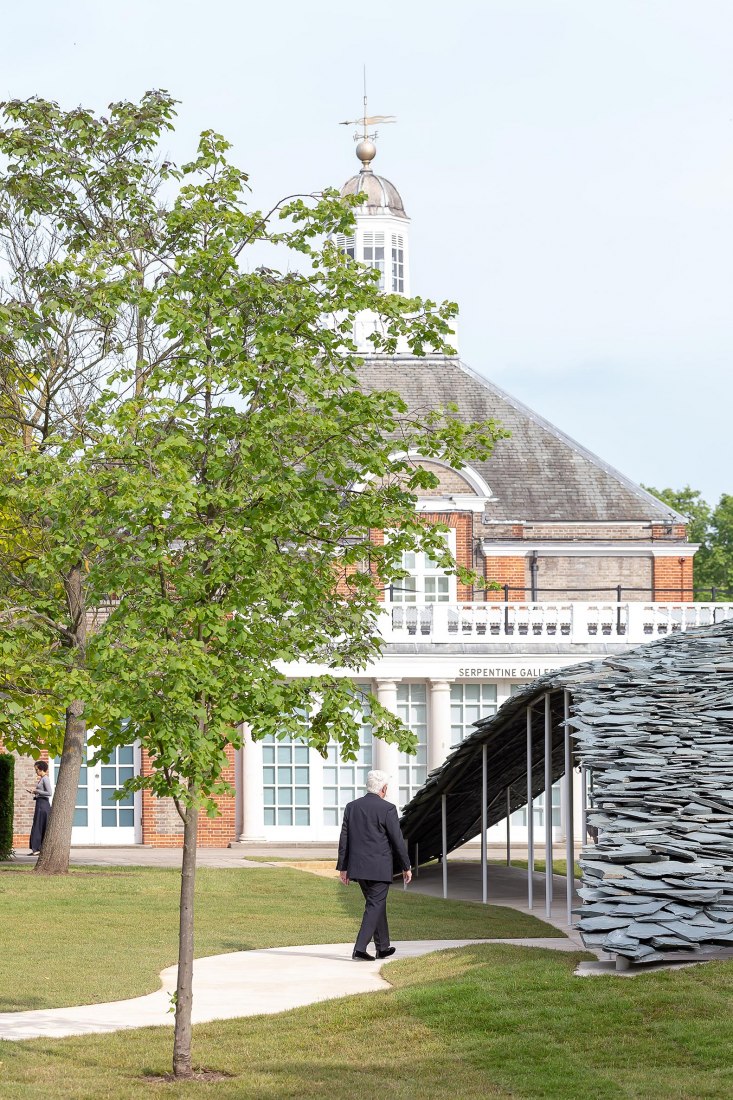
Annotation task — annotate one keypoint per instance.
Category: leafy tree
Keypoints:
(78, 208)
(712, 528)
(227, 489)
(250, 480)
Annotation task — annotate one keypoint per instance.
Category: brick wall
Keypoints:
(673, 579)
(513, 571)
(574, 573)
(163, 828)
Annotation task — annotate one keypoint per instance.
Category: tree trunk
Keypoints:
(54, 857)
(184, 989)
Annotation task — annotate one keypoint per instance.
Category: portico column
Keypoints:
(253, 813)
(387, 757)
(439, 730)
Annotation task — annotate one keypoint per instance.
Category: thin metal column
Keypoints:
(569, 815)
(484, 826)
(444, 830)
(530, 815)
(508, 827)
(584, 803)
(548, 805)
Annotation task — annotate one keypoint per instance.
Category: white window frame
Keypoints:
(424, 583)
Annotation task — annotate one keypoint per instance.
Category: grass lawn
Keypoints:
(104, 934)
(485, 1021)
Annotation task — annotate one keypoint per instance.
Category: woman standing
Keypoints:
(42, 795)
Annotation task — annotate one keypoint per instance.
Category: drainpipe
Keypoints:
(533, 571)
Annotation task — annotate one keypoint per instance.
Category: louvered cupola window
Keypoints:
(346, 244)
(374, 254)
(398, 264)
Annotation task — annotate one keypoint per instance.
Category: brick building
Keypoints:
(586, 563)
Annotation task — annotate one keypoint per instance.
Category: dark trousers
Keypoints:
(374, 922)
(40, 821)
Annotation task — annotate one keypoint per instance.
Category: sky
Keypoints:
(567, 166)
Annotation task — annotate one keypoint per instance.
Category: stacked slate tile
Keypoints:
(655, 728)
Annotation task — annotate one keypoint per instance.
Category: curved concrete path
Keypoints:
(243, 983)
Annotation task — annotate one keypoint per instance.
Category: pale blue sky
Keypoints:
(567, 165)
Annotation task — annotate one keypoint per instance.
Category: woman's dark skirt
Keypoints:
(40, 821)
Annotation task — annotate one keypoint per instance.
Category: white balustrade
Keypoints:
(559, 620)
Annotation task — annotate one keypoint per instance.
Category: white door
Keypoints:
(98, 817)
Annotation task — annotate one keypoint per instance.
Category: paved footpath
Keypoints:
(243, 983)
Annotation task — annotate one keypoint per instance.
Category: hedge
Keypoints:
(7, 784)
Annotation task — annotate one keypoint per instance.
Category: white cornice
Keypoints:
(452, 503)
(551, 549)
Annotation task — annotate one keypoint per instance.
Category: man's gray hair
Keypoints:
(375, 781)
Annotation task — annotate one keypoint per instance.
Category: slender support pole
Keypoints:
(508, 827)
(484, 825)
(444, 830)
(548, 805)
(569, 821)
(530, 815)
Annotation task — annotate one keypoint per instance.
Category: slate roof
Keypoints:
(537, 475)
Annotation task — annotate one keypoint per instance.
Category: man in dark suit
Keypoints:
(371, 846)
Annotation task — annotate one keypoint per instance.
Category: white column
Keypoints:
(253, 813)
(439, 728)
(387, 757)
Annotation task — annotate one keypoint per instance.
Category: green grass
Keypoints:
(105, 934)
(484, 1021)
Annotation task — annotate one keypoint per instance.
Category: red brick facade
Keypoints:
(507, 570)
(673, 579)
(163, 828)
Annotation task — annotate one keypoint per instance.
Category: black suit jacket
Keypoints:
(371, 845)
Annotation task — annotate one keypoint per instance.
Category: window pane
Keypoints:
(285, 775)
(269, 817)
(302, 817)
(284, 754)
(109, 819)
(302, 796)
(125, 755)
(301, 754)
(268, 754)
(302, 775)
(284, 796)
(109, 777)
(285, 817)
(268, 795)
(127, 819)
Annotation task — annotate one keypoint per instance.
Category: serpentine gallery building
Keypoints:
(587, 564)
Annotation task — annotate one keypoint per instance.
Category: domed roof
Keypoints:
(381, 194)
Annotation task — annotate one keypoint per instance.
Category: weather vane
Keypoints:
(367, 120)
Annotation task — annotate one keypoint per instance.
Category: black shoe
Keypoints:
(363, 955)
(386, 953)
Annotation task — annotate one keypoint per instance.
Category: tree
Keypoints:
(78, 208)
(250, 480)
(712, 528)
(226, 488)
